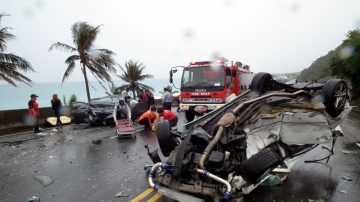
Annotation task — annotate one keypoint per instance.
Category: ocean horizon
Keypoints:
(18, 97)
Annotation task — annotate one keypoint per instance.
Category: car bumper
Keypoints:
(187, 106)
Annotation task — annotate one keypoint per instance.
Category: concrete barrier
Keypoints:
(15, 120)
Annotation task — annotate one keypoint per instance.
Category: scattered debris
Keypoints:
(312, 200)
(346, 178)
(348, 152)
(33, 198)
(42, 134)
(121, 194)
(274, 180)
(343, 192)
(44, 180)
(98, 141)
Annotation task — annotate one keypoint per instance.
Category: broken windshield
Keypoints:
(203, 77)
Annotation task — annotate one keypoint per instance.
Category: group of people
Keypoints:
(34, 111)
(121, 111)
(153, 115)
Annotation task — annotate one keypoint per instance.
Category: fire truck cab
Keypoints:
(208, 85)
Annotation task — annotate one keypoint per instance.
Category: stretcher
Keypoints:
(125, 128)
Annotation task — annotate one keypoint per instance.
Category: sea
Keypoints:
(17, 97)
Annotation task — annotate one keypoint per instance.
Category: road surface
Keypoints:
(83, 171)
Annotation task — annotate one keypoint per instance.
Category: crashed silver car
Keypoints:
(260, 134)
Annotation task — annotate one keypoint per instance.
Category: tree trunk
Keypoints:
(86, 83)
(133, 90)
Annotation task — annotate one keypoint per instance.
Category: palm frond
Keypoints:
(10, 74)
(19, 62)
(4, 36)
(84, 35)
(62, 46)
(70, 68)
(104, 60)
(122, 88)
(99, 71)
(144, 86)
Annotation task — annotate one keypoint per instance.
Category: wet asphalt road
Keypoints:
(83, 171)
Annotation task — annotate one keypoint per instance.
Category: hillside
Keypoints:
(319, 69)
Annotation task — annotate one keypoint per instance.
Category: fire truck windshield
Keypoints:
(203, 77)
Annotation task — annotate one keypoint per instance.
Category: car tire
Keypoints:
(167, 142)
(253, 168)
(261, 82)
(190, 115)
(335, 94)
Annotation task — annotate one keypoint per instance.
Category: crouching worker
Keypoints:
(168, 115)
(147, 119)
(121, 111)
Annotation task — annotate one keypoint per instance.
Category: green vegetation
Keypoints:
(12, 65)
(132, 74)
(113, 90)
(319, 69)
(343, 62)
(98, 61)
(346, 63)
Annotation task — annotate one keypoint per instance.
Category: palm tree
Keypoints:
(113, 90)
(11, 65)
(132, 74)
(98, 61)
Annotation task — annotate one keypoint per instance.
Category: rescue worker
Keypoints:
(121, 111)
(168, 115)
(130, 102)
(167, 99)
(147, 119)
(34, 112)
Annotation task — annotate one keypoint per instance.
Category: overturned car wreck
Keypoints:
(230, 151)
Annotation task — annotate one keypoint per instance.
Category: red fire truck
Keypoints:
(208, 85)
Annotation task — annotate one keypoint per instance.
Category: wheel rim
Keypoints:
(340, 95)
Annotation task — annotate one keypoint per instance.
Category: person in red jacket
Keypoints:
(34, 112)
(147, 119)
(168, 115)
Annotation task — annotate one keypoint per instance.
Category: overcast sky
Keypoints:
(276, 36)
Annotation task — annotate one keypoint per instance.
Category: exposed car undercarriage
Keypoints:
(230, 151)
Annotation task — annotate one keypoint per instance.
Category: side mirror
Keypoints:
(171, 76)
(174, 71)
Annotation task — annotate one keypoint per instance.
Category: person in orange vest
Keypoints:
(34, 112)
(147, 119)
(168, 115)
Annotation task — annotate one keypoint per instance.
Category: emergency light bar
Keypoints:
(207, 62)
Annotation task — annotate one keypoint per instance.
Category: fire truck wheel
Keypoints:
(167, 142)
(190, 115)
(261, 82)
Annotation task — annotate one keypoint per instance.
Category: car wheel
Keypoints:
(261, 82)
(167, 142)
(335, 93)
(190, 115)
(253, 168)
